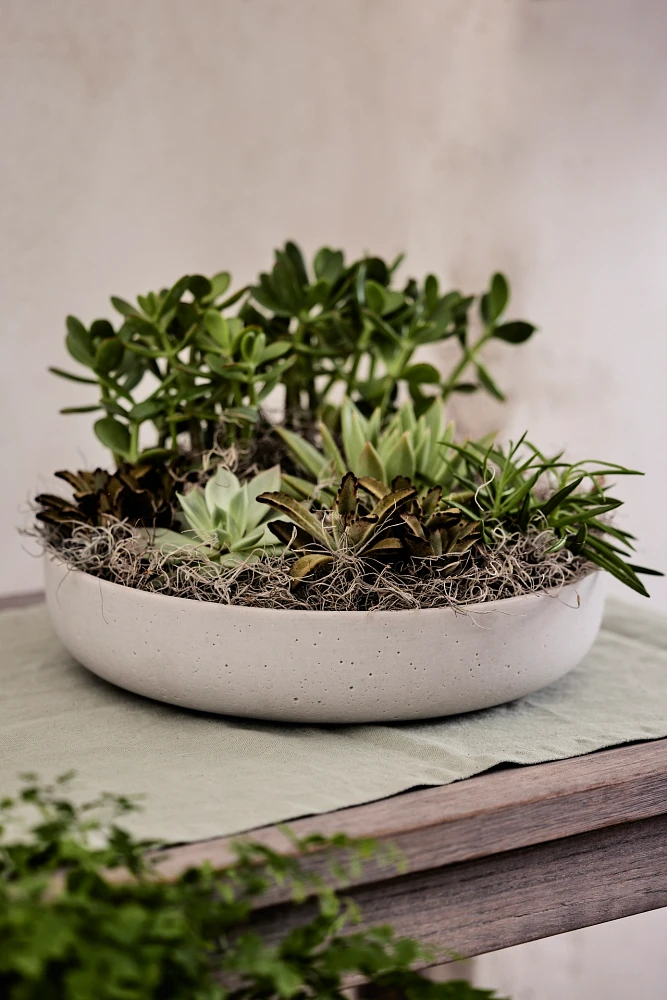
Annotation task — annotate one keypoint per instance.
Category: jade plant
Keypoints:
(85, 913)
(354, 325)
(191, 365)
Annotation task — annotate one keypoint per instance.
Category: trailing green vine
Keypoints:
(86, 915)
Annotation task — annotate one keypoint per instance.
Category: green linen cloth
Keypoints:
(206, 776)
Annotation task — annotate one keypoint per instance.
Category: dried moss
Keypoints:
(512, 566)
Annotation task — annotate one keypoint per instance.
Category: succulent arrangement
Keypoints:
(371, 470)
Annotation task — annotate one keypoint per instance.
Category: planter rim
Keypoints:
(480, 608)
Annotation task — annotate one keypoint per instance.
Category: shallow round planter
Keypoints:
(322, 666)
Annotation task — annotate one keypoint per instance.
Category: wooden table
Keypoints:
(513, 855)
(507, 857)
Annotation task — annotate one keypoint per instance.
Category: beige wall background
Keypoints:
(145, 139)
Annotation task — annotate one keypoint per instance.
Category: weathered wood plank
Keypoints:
(490, 903)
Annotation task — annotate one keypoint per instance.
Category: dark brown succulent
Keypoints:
(396, 524)
(143, 494)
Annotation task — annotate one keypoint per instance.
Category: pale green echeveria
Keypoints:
(415, 447)
(225, 522)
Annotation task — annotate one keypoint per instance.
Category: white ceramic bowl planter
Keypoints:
(322, 666)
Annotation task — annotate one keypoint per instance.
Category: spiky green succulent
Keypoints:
(407, 445)
(225, 522)
(393, 524)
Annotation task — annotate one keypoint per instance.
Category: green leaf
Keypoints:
(499, 295)
(347, 497)
(487, 382)
(331, 450)
(306, 565)
(293, 253)
(123, 307)
(375, 297)
(217, 326)
(108, 355)
(200, 286)
(78, 342)
(400, 461)
(303, 518)
(147, 409)
(220, 490)
(370, 464)
(80, 409)
(101, 329)
(516, 332)
(113, 435)
(220, 282)
(328, 264)
(556, 500)
(308, 457)
(421, 373)
(273, 351)
(174, 295)
(71, 377)
(80, 354)
(355, 434)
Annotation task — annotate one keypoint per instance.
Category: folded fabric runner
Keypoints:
(205, 776)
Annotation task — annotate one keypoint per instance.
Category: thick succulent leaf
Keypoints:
(450, 568)
(289, 534)
(295, 486)
(197, 513)
(267, 481)
(445, 519)
(370, 464)
(406, 415)
(423, 451)
(220, 489)
(251, 540)
(435, 539)
(430, 501)
(309, 458)
(303, 518)
(347, 498)
(306, 565)
(401, 483)
(385, 547)
(433, 418)
(401, 459)
(414, 524)
(172, 542)
(393, 502)
(358, 533)
(76, 481)
(419, 547)
(373, 486)
(355, 434)
(388, 439)
(374, 424)
(331, 450)
(237, 517)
